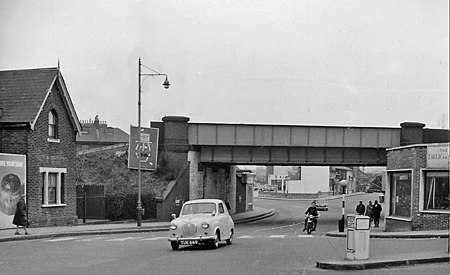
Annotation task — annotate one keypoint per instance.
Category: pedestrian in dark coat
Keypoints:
(20, 216)
(360, 208)
(377, 213)
(369, 212)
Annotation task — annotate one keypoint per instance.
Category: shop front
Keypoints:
(417, 189)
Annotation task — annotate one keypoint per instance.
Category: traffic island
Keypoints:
(386, 261)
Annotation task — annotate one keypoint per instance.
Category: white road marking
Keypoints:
(90, 239)
(246, 237)
(77, 239)
(273, 228)
(62, 239)
(155, 238)
(277, 236)
(123, 239)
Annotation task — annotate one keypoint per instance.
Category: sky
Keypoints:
(290, 62)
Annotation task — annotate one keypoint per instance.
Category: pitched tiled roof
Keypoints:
(23, 92)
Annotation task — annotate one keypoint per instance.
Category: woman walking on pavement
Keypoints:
(20, 216)
(369, 212)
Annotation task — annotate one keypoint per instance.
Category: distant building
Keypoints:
(96, 133)
(299, 179)
(339, 173)
(245, 183)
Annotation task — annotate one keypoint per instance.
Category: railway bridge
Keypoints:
(212, 151)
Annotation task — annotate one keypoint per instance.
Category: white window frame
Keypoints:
(53, 115)
(422, 193)
(58, 171)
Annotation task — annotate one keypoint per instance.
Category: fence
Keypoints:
(92, 203)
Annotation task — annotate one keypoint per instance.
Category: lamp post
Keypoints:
(343, 183)
(166, 85)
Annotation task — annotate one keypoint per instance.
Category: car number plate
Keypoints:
(192, 242)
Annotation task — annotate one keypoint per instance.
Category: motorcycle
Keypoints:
(310, 219)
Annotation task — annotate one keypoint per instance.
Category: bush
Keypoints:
(123, 206)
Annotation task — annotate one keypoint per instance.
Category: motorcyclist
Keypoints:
(312, 210)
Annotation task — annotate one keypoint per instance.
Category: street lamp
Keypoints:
(343, 183)
(166, 85)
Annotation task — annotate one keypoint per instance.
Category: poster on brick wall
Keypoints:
(13, 184)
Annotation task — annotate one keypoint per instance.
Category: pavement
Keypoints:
(387, 260)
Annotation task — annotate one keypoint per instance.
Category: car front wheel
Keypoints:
(230, 240)
(175, 245)
(215, 243)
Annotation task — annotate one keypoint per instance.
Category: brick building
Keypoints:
(38, 120)
(417, 188)
(97, 133)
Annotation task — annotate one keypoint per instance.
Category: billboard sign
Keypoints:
(13, 184)
(145, 151)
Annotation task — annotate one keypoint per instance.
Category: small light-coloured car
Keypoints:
(321, 205)
(201, 221)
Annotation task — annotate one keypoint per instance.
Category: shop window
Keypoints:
(53, 186)
(436, 195)
(400, 200)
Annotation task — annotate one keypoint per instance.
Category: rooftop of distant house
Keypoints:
(98, 131)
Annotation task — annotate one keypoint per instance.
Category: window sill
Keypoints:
(435, 211)
(54, 205)
(54, 140)
(398, 218)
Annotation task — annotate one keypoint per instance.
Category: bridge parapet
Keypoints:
(205, 134)
(262, 144)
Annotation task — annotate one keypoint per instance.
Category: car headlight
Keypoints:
(205, 225)
(173, 226)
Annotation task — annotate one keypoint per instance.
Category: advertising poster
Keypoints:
(146, 152)
(13, 183)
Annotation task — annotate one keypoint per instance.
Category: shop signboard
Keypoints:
(13, 184)
(438, 156)
(146, 152)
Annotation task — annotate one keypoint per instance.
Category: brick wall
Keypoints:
(41, 153)
(414, 158)
(173, 148)
(177, 190)
(50, 154)
(430, 221)
(173, 151)
(14, 141)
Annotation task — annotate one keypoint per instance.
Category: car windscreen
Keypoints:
(198, 208)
